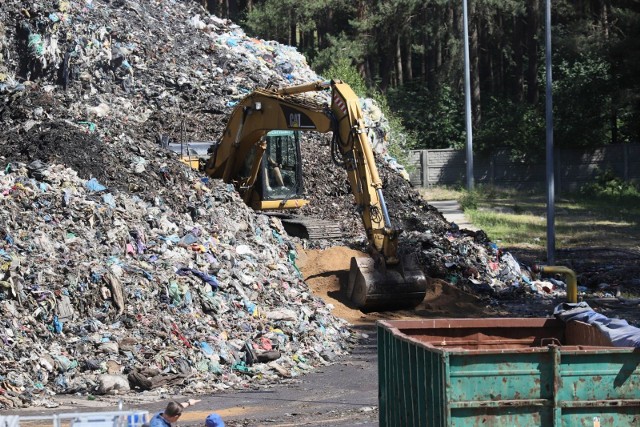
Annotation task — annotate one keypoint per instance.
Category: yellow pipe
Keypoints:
(572, 280)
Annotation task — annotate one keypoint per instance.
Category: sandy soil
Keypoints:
(325, 269)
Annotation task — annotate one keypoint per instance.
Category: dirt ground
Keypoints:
(325, 269)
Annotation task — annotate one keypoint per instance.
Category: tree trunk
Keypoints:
(232, 8)
(475, 64)
(399, 72)
(533, 22)
(517, 83)
(217, 7)
(384, 70)
(409, 62)
(325, 26)
(369, 64)
(424, 58)
(291, 38)
(362, 70)
(454, 18)
(605, 13)
(486, 63)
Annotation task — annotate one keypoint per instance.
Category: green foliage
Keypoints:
(517, 126)
(270, 20)
(469, 200)
(287, 21)
(625, 62)
(437, 117)
(582, 102)
(581, 99)
(596, 67)
(400, 139)
(342, 49)
(342, 69)
(608, 185)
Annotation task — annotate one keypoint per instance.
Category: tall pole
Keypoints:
(551, 234)
(467, 98)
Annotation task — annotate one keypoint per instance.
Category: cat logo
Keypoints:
(296, 119)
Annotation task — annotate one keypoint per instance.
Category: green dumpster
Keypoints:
(504, 372)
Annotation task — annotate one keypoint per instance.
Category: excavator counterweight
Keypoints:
(259, 153)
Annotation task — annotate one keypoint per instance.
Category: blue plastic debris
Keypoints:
(94, 186)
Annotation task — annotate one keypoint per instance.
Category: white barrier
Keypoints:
(83, 419)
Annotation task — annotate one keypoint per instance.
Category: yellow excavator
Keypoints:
(259, 152)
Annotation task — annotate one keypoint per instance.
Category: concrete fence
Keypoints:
(572, 169)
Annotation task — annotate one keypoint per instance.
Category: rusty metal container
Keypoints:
(504, 372)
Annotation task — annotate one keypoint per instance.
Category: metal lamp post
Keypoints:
(467, 98)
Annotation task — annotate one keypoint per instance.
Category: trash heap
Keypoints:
(138, 69)
(122, 269)
(465, 258)
(103, 292)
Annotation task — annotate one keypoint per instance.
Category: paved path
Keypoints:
(453, 213)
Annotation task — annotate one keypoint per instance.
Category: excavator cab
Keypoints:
(270, 175)
(281, 176)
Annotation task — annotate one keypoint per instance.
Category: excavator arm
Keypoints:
(383, 281)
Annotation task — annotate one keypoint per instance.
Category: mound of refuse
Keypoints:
(103, 292)
(122, 269)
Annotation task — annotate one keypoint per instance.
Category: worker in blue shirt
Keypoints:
(170, 414)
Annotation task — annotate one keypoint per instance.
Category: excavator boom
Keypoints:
(260, 155)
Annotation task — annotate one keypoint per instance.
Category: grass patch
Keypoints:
(519, 219)
(441, 193)
(510, 229)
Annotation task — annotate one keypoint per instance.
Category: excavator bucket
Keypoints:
(372, 288)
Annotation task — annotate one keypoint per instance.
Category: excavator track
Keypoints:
(308, 228)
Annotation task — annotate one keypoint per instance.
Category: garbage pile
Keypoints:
(122, 269)
(103, 292)
(137, 69)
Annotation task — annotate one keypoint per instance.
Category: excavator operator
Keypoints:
(274, 176)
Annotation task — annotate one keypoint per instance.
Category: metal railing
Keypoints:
(80, 419)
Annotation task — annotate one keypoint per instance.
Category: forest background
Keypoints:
(408, 54)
